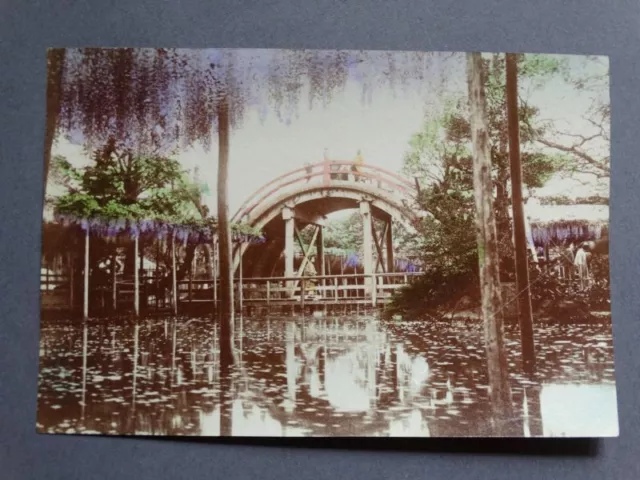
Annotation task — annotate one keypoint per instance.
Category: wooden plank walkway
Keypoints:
(321, 291)
(264, 293)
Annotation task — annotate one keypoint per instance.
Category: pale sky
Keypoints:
(261, 151)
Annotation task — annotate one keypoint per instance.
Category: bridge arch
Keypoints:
(282, 207)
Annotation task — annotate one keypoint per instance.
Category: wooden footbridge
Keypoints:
(271, 275)
(302, 197)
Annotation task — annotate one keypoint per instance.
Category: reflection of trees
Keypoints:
(61, 366)
(395, 379)
(226, 396)
(170, 377)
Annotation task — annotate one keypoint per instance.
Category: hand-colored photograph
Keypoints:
(313, 243)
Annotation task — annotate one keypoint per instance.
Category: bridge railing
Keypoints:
(373, 289)
(327, 173)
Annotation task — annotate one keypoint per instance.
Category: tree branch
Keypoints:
(574, 149)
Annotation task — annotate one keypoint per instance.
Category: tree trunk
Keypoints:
(521, 257)
(503, 229)
(55, 68)
(226, 311)
(487, 246)
(226, 395)
(500, 161)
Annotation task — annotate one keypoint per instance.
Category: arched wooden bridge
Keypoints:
(284, 206)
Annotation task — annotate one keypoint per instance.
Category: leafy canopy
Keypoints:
(119, 190)
(439, 156)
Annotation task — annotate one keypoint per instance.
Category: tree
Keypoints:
(487, 243)
(120, 183)
(587, 147)
(121, 190)
(537, 167)
(344, 234)
(226, 279)
(519, 220)
(439, 156)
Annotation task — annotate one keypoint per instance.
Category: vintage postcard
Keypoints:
(326, 243)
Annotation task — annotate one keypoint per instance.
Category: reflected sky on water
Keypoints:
(317, 377)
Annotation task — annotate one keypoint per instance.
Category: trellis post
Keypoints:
(136, 277)
(85, 302)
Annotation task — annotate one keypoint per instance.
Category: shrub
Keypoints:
(435, 294)
(555, 297)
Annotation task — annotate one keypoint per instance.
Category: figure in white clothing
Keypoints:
(580, 264)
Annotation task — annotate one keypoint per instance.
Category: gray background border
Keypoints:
(28, 27)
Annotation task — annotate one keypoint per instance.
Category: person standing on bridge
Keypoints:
(308, 171)
(356, 168)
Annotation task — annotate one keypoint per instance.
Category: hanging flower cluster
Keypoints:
(199, 231)
(567, 231)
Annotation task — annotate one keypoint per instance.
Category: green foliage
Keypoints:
(79, 205)
(340, 235)
(538, 168)
(538, 68)
(557, 298)
(439, 292)
(446, 242)
(345, 234)
(119, 185)
(208, 226)
(439, 156)
(63, 173)
(148, 190)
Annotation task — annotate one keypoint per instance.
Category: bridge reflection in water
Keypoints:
(314, 377)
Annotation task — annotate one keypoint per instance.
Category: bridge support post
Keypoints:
(290, 361)
(289, 232)
(388, 240)
(367, 261)
(320, 262)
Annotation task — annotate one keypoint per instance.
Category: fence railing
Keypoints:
(52, 282)
(375, 289)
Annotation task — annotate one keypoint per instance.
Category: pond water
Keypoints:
(317, 377)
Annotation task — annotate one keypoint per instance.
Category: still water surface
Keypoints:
(317, 377)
